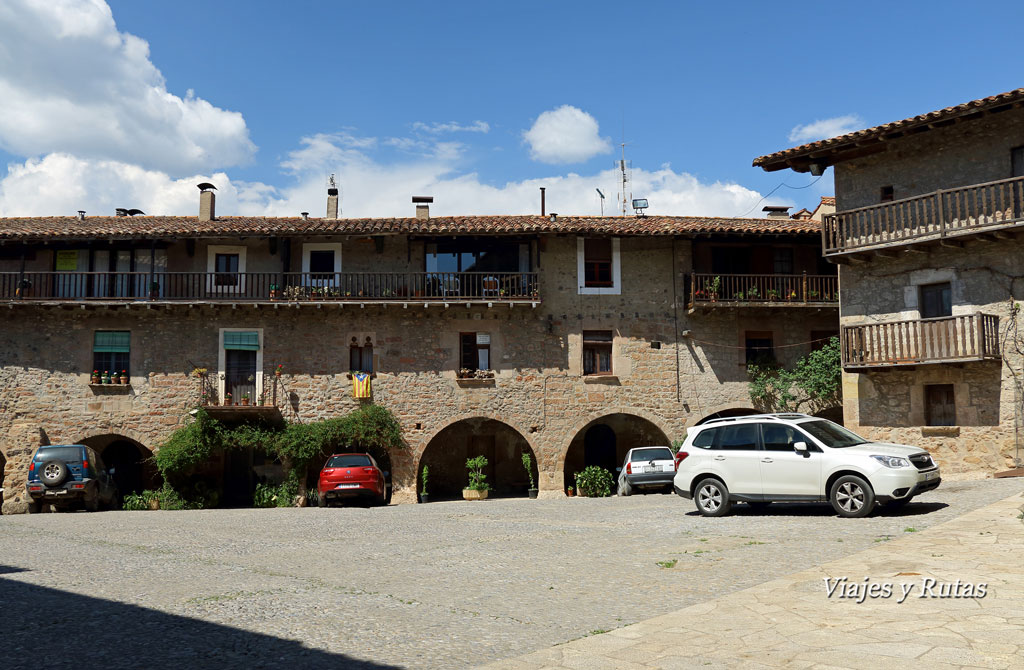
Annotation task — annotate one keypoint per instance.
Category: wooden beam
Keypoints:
(952, 244)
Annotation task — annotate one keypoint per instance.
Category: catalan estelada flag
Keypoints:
(360, 384)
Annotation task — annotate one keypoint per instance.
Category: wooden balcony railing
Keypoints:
(971, 337)
(270, 286)
(945, 213)
(796, 290)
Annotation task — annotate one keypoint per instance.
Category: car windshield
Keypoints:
(349, 461)
(651, 454)
(832, 434)
(59, 454)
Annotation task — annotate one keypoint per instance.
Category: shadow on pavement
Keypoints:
(824, 509)
(81, 631)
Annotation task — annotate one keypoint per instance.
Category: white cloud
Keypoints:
(825, 128)
(565, 135)
(60, 184)
(71, 82)
(452, 127)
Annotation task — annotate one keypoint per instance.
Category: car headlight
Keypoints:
(892, 461)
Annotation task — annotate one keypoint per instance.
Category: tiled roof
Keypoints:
(149, 227)
(828, 200)
(858, 139)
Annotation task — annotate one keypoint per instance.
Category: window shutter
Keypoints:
(110, 341)
(242, 340)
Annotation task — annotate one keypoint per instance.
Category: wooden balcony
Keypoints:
(942, 215)
(717, 290)
(950, 339)
(256, 287)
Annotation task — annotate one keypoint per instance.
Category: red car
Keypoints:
(351, 477)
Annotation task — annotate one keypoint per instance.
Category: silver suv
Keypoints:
(764, 458)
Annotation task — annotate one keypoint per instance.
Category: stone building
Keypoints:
(571, 338)
(929, 210)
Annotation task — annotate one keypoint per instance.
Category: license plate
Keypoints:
(57, 492)
(652, 468)
(347, 486)
(930, 476)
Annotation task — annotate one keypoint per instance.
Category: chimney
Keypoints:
(207, 202)
(305, 216)
(81, 215)
(422, 203)
(332, 198)
(542, 189)
(776, 212)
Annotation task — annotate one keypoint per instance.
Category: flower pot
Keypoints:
(94, 380)
(570, 493)
(124, 380)
(532, 493)
(245, 402)
(424, 498)
(473, 494)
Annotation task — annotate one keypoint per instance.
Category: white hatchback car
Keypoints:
(764, 458)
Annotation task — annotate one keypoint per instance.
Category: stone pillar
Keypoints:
(18, 446)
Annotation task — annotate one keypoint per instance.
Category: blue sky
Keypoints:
(127, 103)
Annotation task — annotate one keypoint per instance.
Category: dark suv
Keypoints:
(69, 475)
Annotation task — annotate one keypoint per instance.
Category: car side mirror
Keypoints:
(801, 448)
(618, 469)
(110, 471)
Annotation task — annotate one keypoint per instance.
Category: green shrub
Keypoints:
(594, 482)
(476, 473)
(135, 502)
(423, 478)
(528, 466)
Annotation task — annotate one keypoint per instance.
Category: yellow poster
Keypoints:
(67, 261)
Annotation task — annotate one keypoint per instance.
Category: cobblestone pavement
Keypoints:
(444, 585)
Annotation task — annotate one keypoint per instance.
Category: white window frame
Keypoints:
(222, 359)
(211, 269)
(321, 246)
(615, 288)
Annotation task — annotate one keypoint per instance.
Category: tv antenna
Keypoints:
(626, 167)
(602, 200)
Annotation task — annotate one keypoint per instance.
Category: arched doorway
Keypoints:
(503, 446)
(379, 454)
(134, 468)
(605, 441)
(736, 411)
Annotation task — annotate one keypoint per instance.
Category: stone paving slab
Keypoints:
(792, 622)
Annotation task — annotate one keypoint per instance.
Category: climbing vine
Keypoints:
(814, 383)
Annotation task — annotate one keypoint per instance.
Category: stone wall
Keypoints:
(670, 368)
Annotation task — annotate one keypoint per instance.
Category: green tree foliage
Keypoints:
(476, 466)
(814, 384)
(594, 482)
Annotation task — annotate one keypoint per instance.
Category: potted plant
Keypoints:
(245, 399)
(753, 293)
(95, 378)
(569, 492)
(423, 487)
(712, 288)
(106, 377)
(278, 370)
(738, 295)
(204, 399)
(478, 487)
(812, 295)
(771, 294)
(227, 399)
(124, 376)
(528, 466)
(274, 292)
(792, 295)
(594, 482)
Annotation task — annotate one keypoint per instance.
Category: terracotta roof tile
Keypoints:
(777, 160)
(121, 227)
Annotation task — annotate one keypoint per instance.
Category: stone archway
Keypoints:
(446, 453)
(604, 441)
(134, 468)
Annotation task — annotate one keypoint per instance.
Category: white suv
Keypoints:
(794, 457)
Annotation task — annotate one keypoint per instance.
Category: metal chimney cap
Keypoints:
(422, 198)
(206, 186)
(305, 215)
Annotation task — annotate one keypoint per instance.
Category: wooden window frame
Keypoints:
(933, 415)
(595, 347)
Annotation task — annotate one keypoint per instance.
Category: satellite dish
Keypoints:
(134, 212)
(206, 186)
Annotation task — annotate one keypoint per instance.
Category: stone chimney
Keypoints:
(776, 212)
(332, 198)
(422, 203)
(207, 202)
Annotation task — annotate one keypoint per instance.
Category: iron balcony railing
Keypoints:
(801, 289)
(269, 286)
(945, 213)
(971, 337)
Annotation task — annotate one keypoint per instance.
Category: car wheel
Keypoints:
(387, 494)
(321, 500)
(625, 489)
(35, 507)
(852, 497)
(53, 473)
(712, 497)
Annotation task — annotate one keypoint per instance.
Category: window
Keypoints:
(360, 357)
(110, 351)
(778, 437)
(760, 348)
(597, 352)
(598, 266)
(706, 438)
(940, 405)
(240, 363)
(226, 267)
(320, 263)
(886, 194)
(597, 262)
(475, 351)
(936, 300)
(349, 461)
(741, 437)
(783, 261)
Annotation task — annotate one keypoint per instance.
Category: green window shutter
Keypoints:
(111, 341)
(242, 340)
